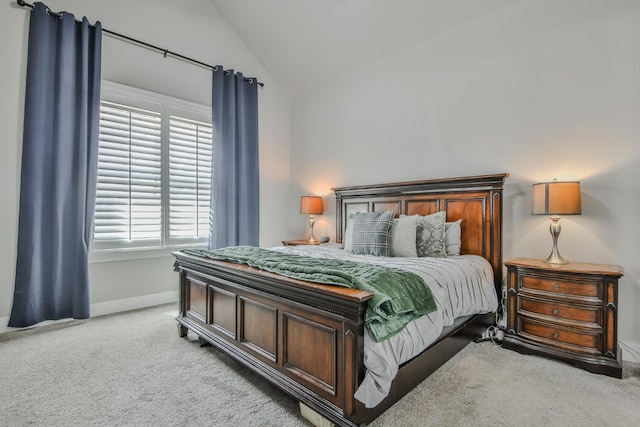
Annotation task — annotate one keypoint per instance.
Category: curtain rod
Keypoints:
(165, 52)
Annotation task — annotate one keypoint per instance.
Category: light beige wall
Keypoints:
(193, 28)
(540, 89)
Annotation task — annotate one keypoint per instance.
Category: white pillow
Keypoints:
(347, 240)
(452, 237)
(403, 236)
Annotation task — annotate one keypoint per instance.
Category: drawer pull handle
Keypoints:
(556, 286)
(555, 311)
(555, 335)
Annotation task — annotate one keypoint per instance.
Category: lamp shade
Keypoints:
(311, 205)
(556, 198)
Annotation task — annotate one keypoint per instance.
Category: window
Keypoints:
(154, 171)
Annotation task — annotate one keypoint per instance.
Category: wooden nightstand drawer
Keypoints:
(555, 310)
(587, 288)
(563, 338)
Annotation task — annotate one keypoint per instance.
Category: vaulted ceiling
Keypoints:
(307, 42)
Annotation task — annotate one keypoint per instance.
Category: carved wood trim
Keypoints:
(611, 347)
(350, 379)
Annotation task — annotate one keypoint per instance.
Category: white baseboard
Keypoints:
(630, 351)
(110, 307)
(4, 321)
(126, 304)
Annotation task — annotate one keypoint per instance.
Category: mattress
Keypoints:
(461, 286)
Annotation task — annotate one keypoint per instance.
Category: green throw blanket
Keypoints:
(399, 296)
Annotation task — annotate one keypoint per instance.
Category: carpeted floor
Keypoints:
(132, 369)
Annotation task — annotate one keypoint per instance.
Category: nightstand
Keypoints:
(297, 242)
(566, 311)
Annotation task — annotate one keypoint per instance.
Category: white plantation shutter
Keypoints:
(129, 193)
(154, 171)
(190, 149)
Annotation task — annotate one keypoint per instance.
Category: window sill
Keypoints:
(114, 255)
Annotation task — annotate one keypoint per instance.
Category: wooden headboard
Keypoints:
(477, 200)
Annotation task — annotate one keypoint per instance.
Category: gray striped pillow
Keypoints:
(372, 233)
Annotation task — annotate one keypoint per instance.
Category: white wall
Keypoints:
(193, 28)
(542, 89)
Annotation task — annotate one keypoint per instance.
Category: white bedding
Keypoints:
(461, 286)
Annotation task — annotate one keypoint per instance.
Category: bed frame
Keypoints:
(308, 339)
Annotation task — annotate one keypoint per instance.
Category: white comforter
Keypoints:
(461, 286)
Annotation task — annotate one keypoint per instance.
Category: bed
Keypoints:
(307, 338)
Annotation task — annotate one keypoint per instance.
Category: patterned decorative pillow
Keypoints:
(372, 233)
(430, 239)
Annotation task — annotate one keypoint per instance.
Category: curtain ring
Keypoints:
(54, 14)
(165, 52)
(250, 81)
(215, 68)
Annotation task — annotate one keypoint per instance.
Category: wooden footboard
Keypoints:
(305, 338)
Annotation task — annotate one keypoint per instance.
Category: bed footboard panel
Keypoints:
(312, 353)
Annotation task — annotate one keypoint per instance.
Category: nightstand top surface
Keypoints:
(297, 242)
(571, 267)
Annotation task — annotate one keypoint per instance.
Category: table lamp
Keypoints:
(556, 198)
(311, 205)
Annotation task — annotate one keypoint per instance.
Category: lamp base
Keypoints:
(555, 257)
(312, 240)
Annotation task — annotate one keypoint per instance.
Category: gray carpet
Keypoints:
(132, 369)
